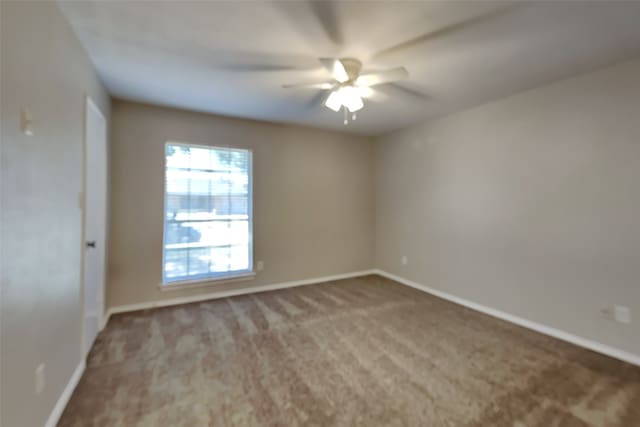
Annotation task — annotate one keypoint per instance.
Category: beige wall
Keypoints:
(529, 205)
(45, 69)
(313, 198)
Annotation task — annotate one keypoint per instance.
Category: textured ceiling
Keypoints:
(232, 58)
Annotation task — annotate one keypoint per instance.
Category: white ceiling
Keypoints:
(232, 58)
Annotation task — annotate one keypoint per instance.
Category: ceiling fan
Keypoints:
(349, 85)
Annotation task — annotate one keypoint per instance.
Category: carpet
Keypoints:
(356, 352)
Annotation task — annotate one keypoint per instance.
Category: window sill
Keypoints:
(206, 282)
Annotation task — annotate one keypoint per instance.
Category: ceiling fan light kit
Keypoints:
(350, 86)
(344, 96)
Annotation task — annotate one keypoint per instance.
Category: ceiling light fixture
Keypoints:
(346, 97)
(334, 101)
(349, 86)
(351, 99)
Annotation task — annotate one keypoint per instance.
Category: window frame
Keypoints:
(208, 278)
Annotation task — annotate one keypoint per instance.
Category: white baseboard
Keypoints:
(232, 292)
(56, 413)
(538, 327)
(103, 321)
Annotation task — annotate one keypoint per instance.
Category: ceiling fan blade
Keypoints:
(317, 100)
(327, 63)
(321, 85)
(336, 68)
(247, 61)
(260, 67)
(442, 32)
(380, 77)
(326, 14)
(409, 91)
(371, 94)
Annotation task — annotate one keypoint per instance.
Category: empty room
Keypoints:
(319, 213)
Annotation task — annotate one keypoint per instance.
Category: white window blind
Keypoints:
(208, 221)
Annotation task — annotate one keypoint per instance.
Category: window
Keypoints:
(208, 220)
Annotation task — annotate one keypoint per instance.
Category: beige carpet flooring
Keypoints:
(357, 352)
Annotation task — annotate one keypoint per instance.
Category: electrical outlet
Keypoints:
(621, 314)
(404, 260)
(617, 313)
(26, 122)
(40, 380)
(260, 265)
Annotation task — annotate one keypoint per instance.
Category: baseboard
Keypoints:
(103, 321)
(538, 327)
(56, 413)
(232, 292)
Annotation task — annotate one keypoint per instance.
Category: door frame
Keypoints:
(89, 104)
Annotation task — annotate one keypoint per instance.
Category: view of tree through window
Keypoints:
(207, 226)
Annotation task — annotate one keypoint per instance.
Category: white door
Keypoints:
(95, 221)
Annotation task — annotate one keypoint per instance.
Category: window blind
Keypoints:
(208, 220)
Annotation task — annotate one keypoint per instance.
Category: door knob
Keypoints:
(91, 244)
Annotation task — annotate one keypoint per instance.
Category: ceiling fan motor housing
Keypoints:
(352, 66)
